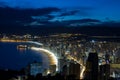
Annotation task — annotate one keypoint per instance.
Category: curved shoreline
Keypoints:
(48, 58)
(51, 58)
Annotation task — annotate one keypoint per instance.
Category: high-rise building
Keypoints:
(72, 68)
(104, 72)
(61, 63)
(34, 68)
(91, 72)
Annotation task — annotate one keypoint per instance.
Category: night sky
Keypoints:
(97, 9)
(69, 13)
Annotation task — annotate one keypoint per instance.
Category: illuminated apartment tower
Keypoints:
(34, 68)
(71, 68)
(91, 72)
(104, 72)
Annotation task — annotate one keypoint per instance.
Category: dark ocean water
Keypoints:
(16, 59)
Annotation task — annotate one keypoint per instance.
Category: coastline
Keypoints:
(48, 57)
(51, 58)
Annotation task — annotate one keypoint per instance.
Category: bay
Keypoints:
(16, 59)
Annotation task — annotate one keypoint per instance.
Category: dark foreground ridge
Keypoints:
(13, 75)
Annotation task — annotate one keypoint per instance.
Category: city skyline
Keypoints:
(66, 49)
(59, 39)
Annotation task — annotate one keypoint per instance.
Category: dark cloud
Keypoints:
(69, 13)
(82, 11)
(43, 17)
(82, 22)
(9, 15)
(77, 23)
(85, 20)
(3, 4)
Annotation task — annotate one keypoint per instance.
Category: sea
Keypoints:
(14, 58)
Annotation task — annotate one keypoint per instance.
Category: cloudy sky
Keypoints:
(95, 9)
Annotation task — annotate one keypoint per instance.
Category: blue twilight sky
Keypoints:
(95, 9)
